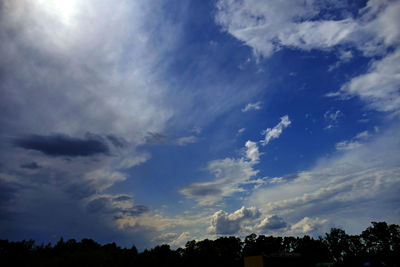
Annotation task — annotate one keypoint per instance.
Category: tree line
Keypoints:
(378, 245)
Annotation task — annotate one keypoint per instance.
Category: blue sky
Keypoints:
(148, 122)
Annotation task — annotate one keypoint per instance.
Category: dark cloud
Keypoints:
(154, 138)
(137, 210)
(117, 141)
(201, 190)
(80, 190)
(64, 145)
(272, 223)
(31, 165)
(123, 198)
(7, 192)
(8, 195)
(224, 226)
(98, 204)
(107, 204)
(290, 177)
(224, 223)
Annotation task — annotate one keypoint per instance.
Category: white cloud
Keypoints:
(164, 238)
(131, 161)
(345, 56)
(252, 152)
(181, 239)
(357, 185)
(66, 59)
(228, 224)
(266, 26)
(102, 179)
(252, 106)
(173, 239)
(355, 142)
(273, 133)
(347, 145)
(89, 83)
(332, 116)
(86, 75)
(241, 130)
(307, 225)
(182, 141)
(229, 175)
(379, 86)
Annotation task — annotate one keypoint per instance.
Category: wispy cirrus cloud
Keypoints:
(185, 140)
(354, 142)
(379, 86)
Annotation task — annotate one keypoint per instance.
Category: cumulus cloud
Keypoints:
(271, 223)
(252, 106)
(274, 133)
(223, 223)
(307, 226)
(356, 185)
(252, 152)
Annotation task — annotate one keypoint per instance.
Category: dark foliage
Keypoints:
(378, 245)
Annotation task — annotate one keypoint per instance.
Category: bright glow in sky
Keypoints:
(62, 10)
(152, 122)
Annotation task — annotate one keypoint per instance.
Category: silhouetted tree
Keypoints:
(379, 245)
(250, 247)
(337, 241)
(289, 244)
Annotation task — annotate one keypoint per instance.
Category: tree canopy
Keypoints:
(378, 245)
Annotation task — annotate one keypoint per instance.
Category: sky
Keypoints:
(150, 122)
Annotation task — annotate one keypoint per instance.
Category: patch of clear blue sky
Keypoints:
(290, 82)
